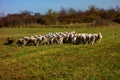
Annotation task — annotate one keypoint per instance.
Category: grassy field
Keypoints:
(100, 61)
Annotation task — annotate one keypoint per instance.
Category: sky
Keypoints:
(42, 6)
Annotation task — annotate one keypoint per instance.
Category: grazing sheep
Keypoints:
(92, 39)
(60, 38)
(21, 42)
(39, 40)
(65, 39)
(98, 37)
(46, 40)
(83, 38)
(32, 40)
(78, 39)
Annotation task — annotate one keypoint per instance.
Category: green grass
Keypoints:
(100, 61)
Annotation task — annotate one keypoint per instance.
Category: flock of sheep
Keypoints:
(60, 38)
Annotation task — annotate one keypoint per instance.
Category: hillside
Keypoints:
(100, 61)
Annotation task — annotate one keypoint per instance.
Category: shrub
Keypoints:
(102, 22)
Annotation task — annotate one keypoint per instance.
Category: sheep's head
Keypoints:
(20, 42)
(100, 36)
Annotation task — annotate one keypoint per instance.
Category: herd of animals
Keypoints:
(58, 38)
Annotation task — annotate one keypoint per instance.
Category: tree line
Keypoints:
(61, 17)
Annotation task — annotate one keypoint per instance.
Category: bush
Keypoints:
(102, 22)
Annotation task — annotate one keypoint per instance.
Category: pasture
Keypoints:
(100, 61)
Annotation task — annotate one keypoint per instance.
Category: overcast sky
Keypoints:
(15, 6)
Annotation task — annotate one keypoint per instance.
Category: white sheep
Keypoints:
(98, 37)
(60, 38)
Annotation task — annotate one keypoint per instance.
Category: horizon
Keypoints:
(43, 6)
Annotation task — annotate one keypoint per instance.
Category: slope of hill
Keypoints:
(100, 61)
